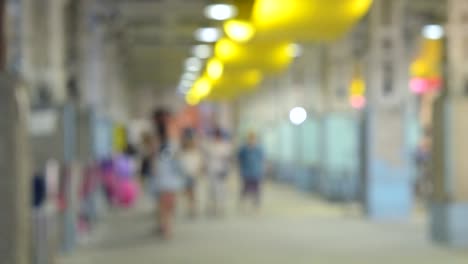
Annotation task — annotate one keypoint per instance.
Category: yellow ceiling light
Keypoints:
(202, 87)
(268, 57)
(192, 99)
(226, 49)
(237, 80)
(253, 77)
(239, 31)
(214, 69)
(358, 86)
(429, 61)
(306, 20)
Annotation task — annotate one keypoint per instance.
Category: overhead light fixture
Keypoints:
(202, 88)
(189, 76)
(208, 35)
(297, 115)
(239, 31)
(220, 11)
(183, 89)
(214, 69)
(202, 51)
(434, 32)
(186, 83)
(193, 64)
(192, 99)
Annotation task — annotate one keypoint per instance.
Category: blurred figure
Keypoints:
(218, 155)
(161, 123)
(166, 182)
(148, 151)
(190, 160)
(423, 157)
(251, 165)
(126, 185)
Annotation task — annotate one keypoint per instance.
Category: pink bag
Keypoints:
(127, 193)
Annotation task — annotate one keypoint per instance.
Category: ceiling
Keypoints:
(157, 36)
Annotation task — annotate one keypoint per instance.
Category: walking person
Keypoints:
(190, 160)
(166, 181)
(218, 157)
(148, 151)
(251, 165)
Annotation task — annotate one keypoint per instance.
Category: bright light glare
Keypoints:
(220, 11)
(214, 69)
(189, 76)
(239, 31)
(185, 84)
(192, 99)
(207, 34)
(433, 32)
(202, 51)
(225, 49)
(202, 88)
(193, 64)
(295, 50)
(297, 115)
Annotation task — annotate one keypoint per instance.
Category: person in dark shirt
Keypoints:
(251, 164)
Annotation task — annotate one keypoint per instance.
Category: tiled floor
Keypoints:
(292, 228)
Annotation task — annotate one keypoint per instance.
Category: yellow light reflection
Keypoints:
(253, 77)
(225, 49)
(429, 60)
(358, 86)
(269, 57)
(202, 87)
(239, 31)
(214, 69)
(192, 99)
(304, 20)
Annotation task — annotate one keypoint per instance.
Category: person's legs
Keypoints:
(167, 204)
(256, 193)
(214, 195)
(220, 196)
(251, 191)
(243, 194)
(190, 193)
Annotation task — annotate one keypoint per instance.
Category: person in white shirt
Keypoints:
(218, 157)
(190, 160)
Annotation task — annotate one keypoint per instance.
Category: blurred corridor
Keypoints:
(291, 228)
(233, 131)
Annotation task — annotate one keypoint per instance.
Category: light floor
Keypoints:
(292, 228)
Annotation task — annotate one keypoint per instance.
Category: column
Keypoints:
(449, 210)
(388, 186)
(57, 69)
(15, 202)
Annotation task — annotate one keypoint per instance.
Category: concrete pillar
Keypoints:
(449, 210)
(15, 202)
(57, 51)
(388, 186)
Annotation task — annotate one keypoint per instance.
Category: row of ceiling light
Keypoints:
(234, 59)
(208, 35)
(236, 30)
